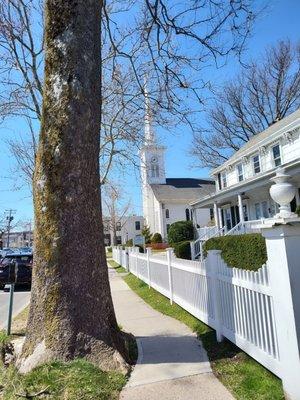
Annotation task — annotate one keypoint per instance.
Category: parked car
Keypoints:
(6, 251)
(10, 274)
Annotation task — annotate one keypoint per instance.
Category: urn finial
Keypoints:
(283, 192)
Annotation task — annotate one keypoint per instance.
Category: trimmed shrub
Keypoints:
(129, 243)
(298, 211)
(156, 238)
(240, 251)
(141, 248)
(182, 250)
(181, 231)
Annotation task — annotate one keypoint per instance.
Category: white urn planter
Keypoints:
(283, 192)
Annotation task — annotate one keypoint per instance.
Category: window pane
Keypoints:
(240, 172)
(224, 180)
(276, 155)
(256, 164)
(265, 210)
(257, 211)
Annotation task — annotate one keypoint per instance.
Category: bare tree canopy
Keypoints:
(265, 92)
(167, 43)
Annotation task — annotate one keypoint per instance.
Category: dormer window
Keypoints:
(224, 180)
(256, 164)
(240, 172)
(276, 155)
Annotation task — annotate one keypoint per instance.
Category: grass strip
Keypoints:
(74, 380)
(116, 266)
(241, 374)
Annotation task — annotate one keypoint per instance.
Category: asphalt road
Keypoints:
(21, 299)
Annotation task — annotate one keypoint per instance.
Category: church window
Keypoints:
(187, 214)
(168, 228)
(167, 213)
(154, 171)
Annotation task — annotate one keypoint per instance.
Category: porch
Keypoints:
(241, 208)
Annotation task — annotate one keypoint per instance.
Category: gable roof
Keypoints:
(181, 194)
(188, 182)
(278, 127)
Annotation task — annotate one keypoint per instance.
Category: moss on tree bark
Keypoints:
(71, 312)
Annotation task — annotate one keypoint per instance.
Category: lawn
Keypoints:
(75, 380)
(241, 374)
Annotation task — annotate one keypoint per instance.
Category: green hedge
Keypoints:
(181, 231)
(240, 251)
(182, 250)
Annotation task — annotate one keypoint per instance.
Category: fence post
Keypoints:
(137, 250)
(212, 262)
(169, 258)
(283, 251)
(192, 245)
(149, 250)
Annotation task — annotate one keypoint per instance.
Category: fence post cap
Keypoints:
(214, 251)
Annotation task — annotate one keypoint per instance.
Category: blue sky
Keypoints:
(279, 21)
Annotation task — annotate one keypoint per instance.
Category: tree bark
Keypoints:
(71, 312)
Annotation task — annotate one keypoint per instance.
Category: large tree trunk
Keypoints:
(71, 312)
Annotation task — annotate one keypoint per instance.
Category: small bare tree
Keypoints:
(265, 92)
(115, 207)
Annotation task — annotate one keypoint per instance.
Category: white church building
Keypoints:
(167, 200)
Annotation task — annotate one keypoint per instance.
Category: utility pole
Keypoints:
(9, 218)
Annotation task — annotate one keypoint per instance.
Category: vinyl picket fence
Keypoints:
(238, 304)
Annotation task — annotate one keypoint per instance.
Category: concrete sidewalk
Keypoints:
(172, 364)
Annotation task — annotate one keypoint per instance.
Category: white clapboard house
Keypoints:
(241, 198)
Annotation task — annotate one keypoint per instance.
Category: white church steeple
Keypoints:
(152, 155)
(149, 138)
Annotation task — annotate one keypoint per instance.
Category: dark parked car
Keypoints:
(21, 275)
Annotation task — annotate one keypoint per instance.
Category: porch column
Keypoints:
(241, 212)
(297, 197)
(216, 215)
(194, 217)
(220, 218)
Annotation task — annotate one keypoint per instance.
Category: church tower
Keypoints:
(152, 169)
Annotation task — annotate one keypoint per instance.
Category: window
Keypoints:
(167, 213)
(118, 226)
(154, 171)
(211, 214)
(219, 181)
(224, 179)
(187, 214)
(257, 211)
(168, 228)
(256, 164)
(137, 225)
(276, 155)
(265, 209)
(240, 172)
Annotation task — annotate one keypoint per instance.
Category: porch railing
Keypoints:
(210, 232)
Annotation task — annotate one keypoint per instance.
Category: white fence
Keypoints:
(238, 304)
